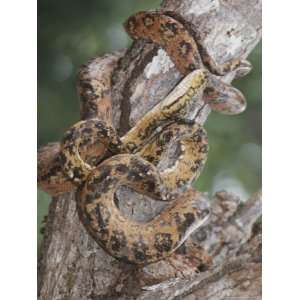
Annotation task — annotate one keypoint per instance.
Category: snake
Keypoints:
(176, 36)
(95, 159)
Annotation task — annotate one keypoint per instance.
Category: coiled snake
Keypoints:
(94, 158)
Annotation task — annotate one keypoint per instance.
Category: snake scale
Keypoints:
(94, 158)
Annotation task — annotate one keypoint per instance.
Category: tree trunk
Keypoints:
(72, 266)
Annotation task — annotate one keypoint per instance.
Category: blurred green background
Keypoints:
(71, 32)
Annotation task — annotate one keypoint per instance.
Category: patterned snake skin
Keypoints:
(95, 159)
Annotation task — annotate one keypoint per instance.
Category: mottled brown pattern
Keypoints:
(169, 34)
(93, 88)
(83, 157)
(243, 66)
(189, 141)
(175, 36)
(170, 110)
(86, 137)
(117, 235)
(138, 243)
(93, 84)
(51, 177)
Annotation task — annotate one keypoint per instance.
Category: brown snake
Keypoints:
(93, 156)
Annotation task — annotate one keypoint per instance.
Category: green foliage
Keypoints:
(71, 32)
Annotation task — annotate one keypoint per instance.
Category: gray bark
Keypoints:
(72, 266)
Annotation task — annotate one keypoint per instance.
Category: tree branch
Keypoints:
(73, 266)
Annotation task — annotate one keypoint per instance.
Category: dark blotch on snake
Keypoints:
(184, 224)
(139, 249)
(118, 240)
(121, 168)
(103, 216)
(103, 173)
(163, 242)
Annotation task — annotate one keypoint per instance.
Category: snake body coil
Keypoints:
(93, 157)
(129, 241)
(137, 169)
(166, 30)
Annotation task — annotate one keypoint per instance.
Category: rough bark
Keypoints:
(72, 266)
